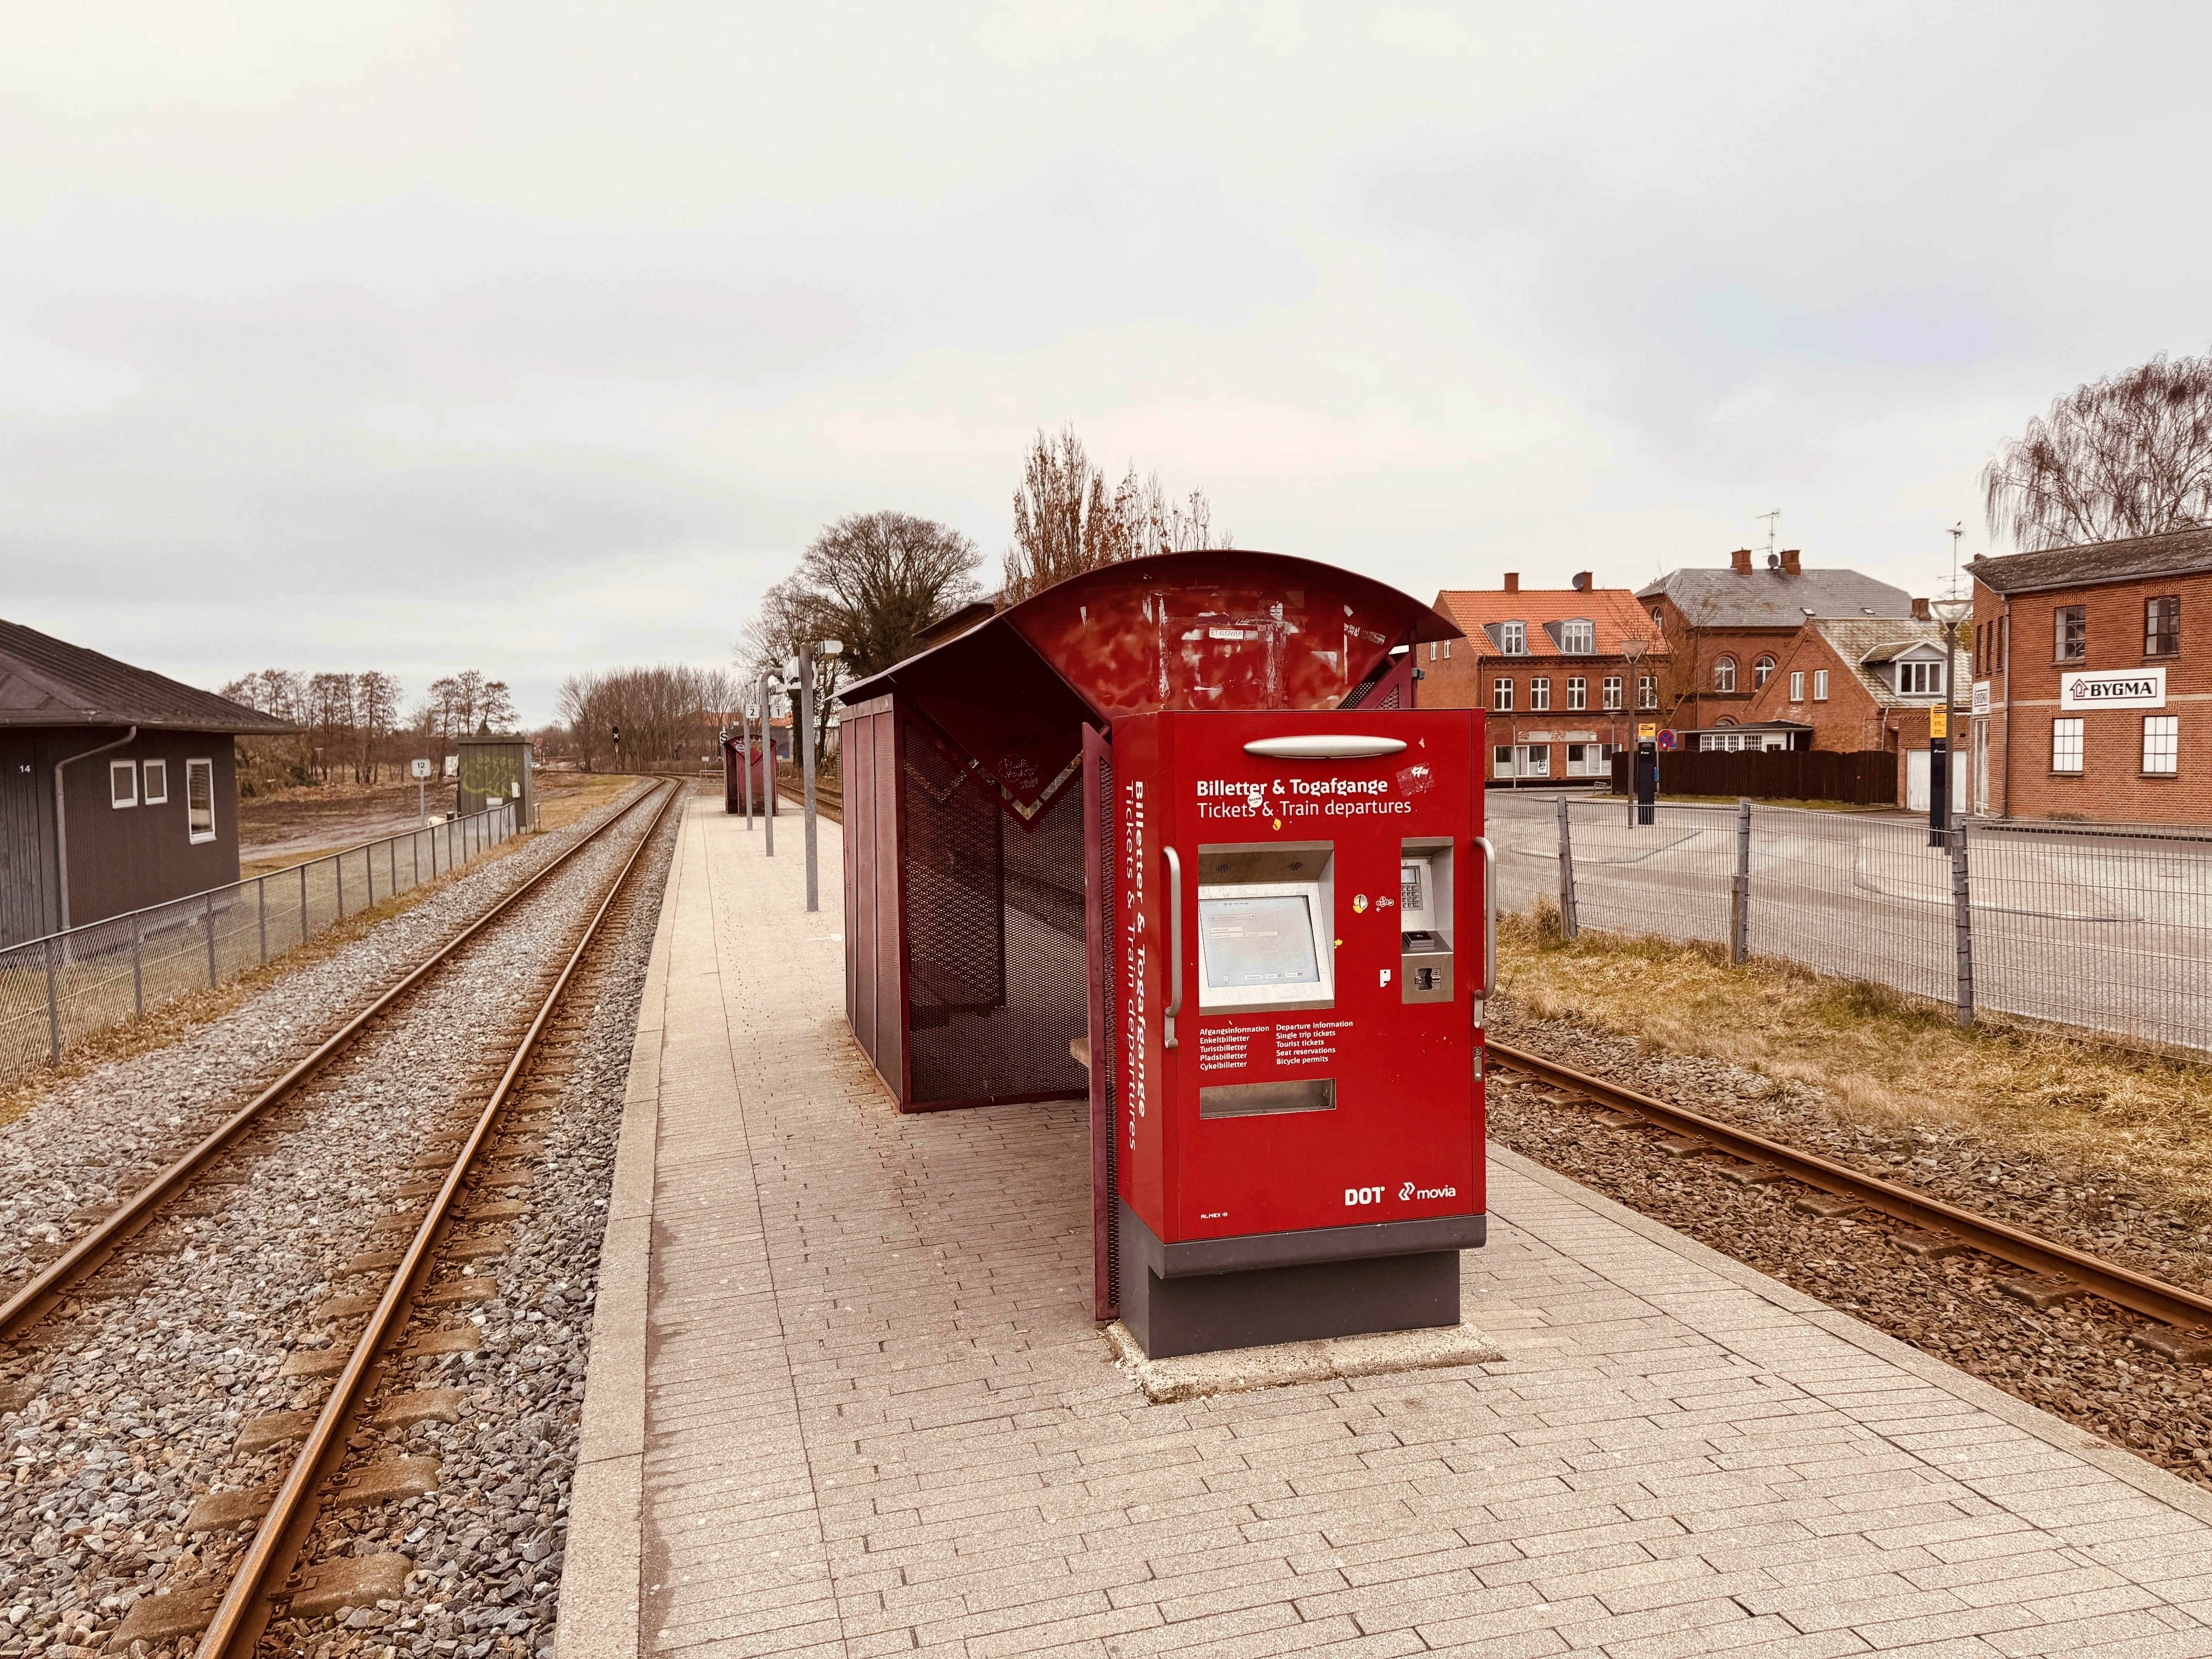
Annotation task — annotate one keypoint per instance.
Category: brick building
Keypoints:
(1863, 684)
(1547, 668)
(1726, 629)
(2091, 697)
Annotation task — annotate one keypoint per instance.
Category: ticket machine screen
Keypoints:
(1258, 941)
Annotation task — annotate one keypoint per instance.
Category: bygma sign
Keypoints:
(2124, 687)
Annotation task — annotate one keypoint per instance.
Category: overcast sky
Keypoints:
(536, 339)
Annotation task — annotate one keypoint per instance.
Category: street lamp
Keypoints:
(1949, 612)
(1644, 768)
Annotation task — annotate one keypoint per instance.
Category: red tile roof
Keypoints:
(1615, 611)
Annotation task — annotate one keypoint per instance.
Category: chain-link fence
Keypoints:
(66, 987)
(2102, 927)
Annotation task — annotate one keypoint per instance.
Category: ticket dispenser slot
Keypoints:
(1425, 914)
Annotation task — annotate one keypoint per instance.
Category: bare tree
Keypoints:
(876, 579)
(663, 710)
(1065, 524)
(791, 613)
(376, 712)
(497, 708)
(2128, 455)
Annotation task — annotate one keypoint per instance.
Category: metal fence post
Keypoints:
(1570, 923)
(212, 981)
(261, 902)
(138, 965)
(1962, 923)
(1740, 888)
(303, 905)
(53, 996)
(337, 873)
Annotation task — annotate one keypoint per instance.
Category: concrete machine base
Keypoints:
(1209, 1295)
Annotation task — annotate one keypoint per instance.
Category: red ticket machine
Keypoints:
(1305, 929)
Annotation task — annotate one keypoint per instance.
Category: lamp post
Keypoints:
(803, 676)
(767, 765)
(746, 757)
(1949, 612)
(1644, 769)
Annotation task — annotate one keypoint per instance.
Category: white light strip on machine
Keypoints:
(1322, 747)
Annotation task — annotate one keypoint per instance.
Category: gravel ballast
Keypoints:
(141, 1396)
(2077, 1359)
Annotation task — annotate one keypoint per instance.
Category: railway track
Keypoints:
(335, 1466)
(2052, 1274)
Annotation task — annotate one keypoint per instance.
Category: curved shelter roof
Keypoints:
(45, 681)
(1227, 629)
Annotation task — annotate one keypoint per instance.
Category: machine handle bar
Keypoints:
(1489, 919)
(1175, 941)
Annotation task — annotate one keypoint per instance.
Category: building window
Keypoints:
(1612, 691)
(1578, 637)
(2162, 743)
(123, 783)
(1577, 692)
(1647, 691)
(1539, 692)
(157, 783)
(1762, 671)
(199, 799)
(1513, 639)
(2162, 627)
(1920, 679)
(1724, 674)
(1820, 685)
(1432, 650)
(1502, 760)
(1797, 685)
(1658, 621)
(2066, 745)
(1501, 695)
(1447, 650)
(2069, 629)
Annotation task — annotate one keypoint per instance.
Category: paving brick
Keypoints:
(864, 1410)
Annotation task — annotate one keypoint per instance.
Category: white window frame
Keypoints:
(1762, 671)
(1723, 673)
(154, 795)
(1610, 691)
(2066, 745)
(1501, 695)
(1919, 677)
(1448, 645)
(1820, 685)
(1647, 690)
(1540, 693)
(122, 783)
(2162, 746)
(1501, 760)
(1578, 637)
(1513, 639)
(199, 768)
(1577, 691)
(1797, 685)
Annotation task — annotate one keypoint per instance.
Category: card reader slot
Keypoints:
(1303, 1094)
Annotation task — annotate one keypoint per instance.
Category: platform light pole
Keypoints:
(1949, 612)
(803, 678)
(745, 754)
(768, 766)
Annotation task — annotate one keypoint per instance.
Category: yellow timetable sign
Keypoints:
(1939, 722)
(1646, 731)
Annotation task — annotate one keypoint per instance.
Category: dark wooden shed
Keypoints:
(117, 785)
(966, 962)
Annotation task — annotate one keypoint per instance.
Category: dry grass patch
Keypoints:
(1878, 1058)
(565, 797)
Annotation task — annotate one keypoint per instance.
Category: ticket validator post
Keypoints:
(1305, 935)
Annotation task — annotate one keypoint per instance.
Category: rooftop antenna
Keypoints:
(1955, 533)
(1769, 518)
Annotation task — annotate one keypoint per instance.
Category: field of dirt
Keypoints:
(294, 825)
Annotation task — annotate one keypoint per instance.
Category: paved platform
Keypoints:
(846, 1398)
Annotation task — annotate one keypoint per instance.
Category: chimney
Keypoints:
(1513, 581)
(1790, 556)
(1740, 562)
(1581, 581)
(1920, 611)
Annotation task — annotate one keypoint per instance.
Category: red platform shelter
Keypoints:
(978, 795)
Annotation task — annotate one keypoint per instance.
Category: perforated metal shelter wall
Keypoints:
(994, 937)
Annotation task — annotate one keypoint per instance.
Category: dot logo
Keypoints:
(1355, 1196)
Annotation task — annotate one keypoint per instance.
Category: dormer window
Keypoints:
(1578, 637)
(1920, 679)
(1513, 639)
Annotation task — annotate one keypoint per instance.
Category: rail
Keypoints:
(94, 1247)
(2124, 1286)
(244, 1611)
(63, 987)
